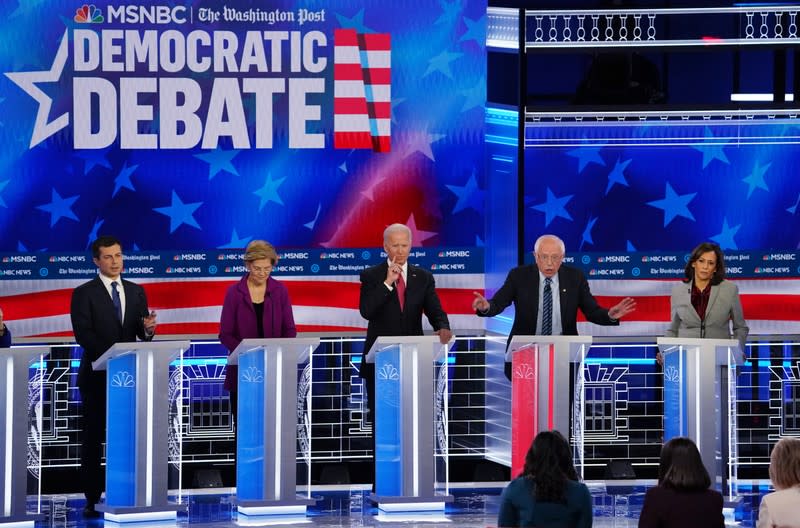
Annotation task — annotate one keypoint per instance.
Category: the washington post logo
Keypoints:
(362, 81)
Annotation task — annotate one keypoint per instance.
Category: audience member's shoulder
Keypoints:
(715, 496)
(577, 488)
(520, 483)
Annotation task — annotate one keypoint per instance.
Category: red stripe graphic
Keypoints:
(377, 41)
(362, 73)
(345, 37)
(354, 72)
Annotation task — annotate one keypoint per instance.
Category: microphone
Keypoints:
(702, 328)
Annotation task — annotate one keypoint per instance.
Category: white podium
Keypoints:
(267, 425)
(540, 392)
(14, 365)
(137, 413)
(406, 398)
(700, 399)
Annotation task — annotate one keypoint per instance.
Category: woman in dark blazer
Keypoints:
(257, 306)
(547, 493)
(705, 304)
(682, 498)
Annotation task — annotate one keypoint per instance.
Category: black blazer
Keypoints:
(381, 307)
(669, 508)
(522, 288)
(95, 323)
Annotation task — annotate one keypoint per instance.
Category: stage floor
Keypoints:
(616, 504)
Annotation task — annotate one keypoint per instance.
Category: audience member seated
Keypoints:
(547, 493)
(682, 498)
(781, 508)
(5, 333)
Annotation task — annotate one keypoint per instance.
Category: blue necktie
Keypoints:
(547, 308)
(117, 302)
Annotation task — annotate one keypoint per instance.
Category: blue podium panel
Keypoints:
(405, 429)
(250, 448)
(674, 396)
(121, 446)
(267, 425)
(388, 421)
(137, 407)
(700, 400)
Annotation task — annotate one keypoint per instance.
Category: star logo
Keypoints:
(42, 128)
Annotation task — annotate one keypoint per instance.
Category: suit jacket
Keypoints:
(522, 288)
(723, 306)
(238, 320)
(381, 307)
(780, 509)
(5, 339)
(669, 508)
(95, 323)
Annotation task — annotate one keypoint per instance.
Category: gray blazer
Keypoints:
(724, 306)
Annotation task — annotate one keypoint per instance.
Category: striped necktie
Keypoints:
(547, 307)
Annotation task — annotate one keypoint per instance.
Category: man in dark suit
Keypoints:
(394, 295)
(106, 310)
(5, 333)
(548, 314)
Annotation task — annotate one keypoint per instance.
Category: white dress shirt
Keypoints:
(107, 283)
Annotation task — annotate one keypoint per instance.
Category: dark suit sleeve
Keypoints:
(588, 305)
(374, 293)
(649, 516)
(503, 297)
(82, 324)
(141, 312)
(5, 339)
(718, 505)
(433, 307)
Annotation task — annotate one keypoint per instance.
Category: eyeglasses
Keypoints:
(259, 269)
(553, 259)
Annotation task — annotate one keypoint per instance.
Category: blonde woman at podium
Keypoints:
(704, 304)
(257, 306)
(781, 508)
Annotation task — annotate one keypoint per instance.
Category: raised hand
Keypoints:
(479, 302)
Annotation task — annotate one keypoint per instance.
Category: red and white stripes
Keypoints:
(362, 81)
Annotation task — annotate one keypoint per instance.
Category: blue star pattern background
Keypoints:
(646, 187)
(54, 196)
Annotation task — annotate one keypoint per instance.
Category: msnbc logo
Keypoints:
(89, 14)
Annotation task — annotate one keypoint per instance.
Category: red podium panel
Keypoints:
(540, 391)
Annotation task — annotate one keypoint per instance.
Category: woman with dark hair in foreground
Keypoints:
(682, 498)
(547, 493)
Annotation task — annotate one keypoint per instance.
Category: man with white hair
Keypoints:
(564, 290)
(394, 295)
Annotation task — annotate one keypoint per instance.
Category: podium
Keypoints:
(266, 454)
(540, 392)
(137, 409)
(700, 399)
(14, 365)
(405, 405)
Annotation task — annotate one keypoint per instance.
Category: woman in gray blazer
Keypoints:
(705, 304)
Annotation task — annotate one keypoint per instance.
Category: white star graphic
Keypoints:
(27, 81)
